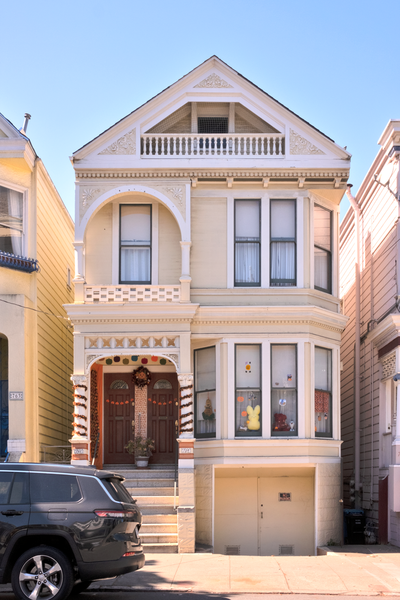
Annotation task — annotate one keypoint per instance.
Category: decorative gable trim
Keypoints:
(299, 145)
(124, 145)
(213, 81)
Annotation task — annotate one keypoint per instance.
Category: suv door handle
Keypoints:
(12, 513)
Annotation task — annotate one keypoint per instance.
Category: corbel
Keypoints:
(229, 181)
(265, 182)
(194, 182)
(301, 182)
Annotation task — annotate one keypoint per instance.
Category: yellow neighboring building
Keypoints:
(35, 347)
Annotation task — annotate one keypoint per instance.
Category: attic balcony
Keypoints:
(189, 145)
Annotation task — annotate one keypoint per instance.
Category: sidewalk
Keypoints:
(351, 570)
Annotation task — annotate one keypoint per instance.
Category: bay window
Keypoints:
(283, 243)
(323, 392)
(11, 221)
(284, 390)
(248, 390)
(247, 243)
(135, 243)
(204, 392)
(322, 249)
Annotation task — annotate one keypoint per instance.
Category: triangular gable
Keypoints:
(8, 130)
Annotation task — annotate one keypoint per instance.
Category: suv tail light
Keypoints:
(114, 514)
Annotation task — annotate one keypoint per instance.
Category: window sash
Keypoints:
(250, 396)
(135, 256)
(283, 250)
(323, 393)
(204, 427)
(322, 252)
(11, 221)
(247, 251)
(285, 391)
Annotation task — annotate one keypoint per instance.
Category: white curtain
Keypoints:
(321, 269)
(247, 263)
(283, 260)
(135, 264)
(15, 211)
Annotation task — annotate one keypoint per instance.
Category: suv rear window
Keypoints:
(117, 490)
(51, 487)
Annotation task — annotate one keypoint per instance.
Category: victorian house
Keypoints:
(207, 311)
(36, 268)
(370, 382)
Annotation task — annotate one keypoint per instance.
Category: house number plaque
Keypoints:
(16, 395)
(186, 450)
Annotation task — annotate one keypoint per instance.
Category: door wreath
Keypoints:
(141, 377)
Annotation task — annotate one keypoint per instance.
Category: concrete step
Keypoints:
(151, 518)
(158, 538)
(157, 509)
(169, 548)
(137, 492)
(134, 469)
(158, 528)
(135, 483)
(157, 500)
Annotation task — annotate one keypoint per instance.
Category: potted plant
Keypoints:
(142, 449)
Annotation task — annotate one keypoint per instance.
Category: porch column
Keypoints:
(186, 481)
(80, 450)
(185, 278)
(79, 278)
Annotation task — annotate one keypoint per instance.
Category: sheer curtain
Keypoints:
(282, 260)
(15, 212)
(321, 269)
(247, 261)
(135, 264)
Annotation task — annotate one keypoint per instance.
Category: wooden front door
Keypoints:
(162, 413)
(119, 412)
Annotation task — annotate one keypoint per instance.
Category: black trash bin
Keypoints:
(354, 525)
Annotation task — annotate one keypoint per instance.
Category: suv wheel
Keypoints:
(42, 572)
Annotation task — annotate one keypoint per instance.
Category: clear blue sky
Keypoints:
(78, 66)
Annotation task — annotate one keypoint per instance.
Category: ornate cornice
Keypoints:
(164, 174)
(213, 81)
(124, 145)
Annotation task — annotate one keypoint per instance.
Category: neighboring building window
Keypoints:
(323, 392)
(283, 242)
(247, 242)
(135, 246)
(204, 387)
(248, 390)
(11, 221)
(322, 249)
(284, 389)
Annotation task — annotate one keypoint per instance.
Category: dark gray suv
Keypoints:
(62, 527)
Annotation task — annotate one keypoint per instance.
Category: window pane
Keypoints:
(135, 264)
(5, 486)
(205, 413)
(247, 263)
(322, 227)
(321, 269)
(247, 220)
(248, 366)
(205, 369)
(284, 366)
(323, 392)
(284, 411)
(117, 490)
(162, 384)
(11, 213)
(248, 412)
(20, 489)
(50, 487)
(135, 225)
(283, 219)
(283, 261)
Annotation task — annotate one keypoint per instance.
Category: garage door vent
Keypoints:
(286, 550)
(232, 550)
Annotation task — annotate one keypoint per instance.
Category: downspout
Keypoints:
(356, 209)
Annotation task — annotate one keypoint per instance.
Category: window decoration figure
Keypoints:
(208, 413)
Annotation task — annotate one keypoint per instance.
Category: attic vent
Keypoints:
(212, 125)
(232, 550)
(286, 550)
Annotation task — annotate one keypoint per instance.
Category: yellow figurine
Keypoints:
(253, 422)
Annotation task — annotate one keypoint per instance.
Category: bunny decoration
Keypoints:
(253, 422)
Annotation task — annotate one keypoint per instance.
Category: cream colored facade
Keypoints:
(36, 347)
(283, 484)
(371, 460)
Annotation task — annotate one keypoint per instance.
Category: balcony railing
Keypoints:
(13, 261)
(133, 293)
(197, 146)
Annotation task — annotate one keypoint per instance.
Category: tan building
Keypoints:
(207, 228)
(371, 345)
(36, 347)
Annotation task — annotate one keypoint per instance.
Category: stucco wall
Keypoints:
(209, 252)
(99, 248)
(169, 249)
(329, 507)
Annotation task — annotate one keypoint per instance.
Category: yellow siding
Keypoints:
(98, 248)
(208, 258)
(169, 249)
(55, 344)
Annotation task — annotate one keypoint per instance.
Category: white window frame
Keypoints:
(25, 229)
(116, 237)
(335, 210)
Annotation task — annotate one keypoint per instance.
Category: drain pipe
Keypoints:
(357, 379)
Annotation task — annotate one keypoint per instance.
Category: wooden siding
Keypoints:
(208, 254)
(169, 249)
(55, 343)
(99, 248)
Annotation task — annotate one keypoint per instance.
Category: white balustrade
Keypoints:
(132, 293)
(200, 145)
